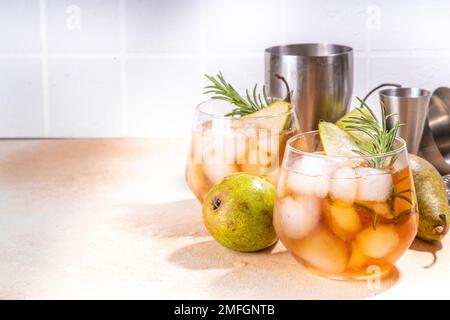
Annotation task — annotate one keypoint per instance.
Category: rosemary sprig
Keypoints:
(222, 90)
(380, 139)
(250, 103)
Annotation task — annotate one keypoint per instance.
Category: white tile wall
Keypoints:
(84, 98)
(163, 26)
(162, 95)
(19, 27)
(360, 85)
(21, 111)
(328, 21)
(83, 26)
(87, 68)
(416, 24)
(243, 72)
(427, 71)
(237, 26)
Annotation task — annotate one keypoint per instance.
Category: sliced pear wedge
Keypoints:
(335, 141)
(280, 109)
(357, 112)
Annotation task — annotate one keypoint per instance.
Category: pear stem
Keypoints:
(288, 95)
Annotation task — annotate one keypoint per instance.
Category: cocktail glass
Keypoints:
(345, 217)
(222, 145)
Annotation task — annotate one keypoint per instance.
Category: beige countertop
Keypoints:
(114, 219)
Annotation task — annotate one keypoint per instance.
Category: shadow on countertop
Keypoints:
(210, 255)
(269, 274)
(176, 219)
(424, 246)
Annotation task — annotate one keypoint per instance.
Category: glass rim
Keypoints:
(231, 118)
(404, 93)
(302, 50)
(290, 147)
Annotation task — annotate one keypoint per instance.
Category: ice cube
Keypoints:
(342, 219)
(250, 163)
(373, 184)
(247, 130)
(298, 216)
(310, 175)
(240, 149)
(378, 243)
(382, 209)
(266, 158)
(216, 165)
(314, 166)
(357, 259)
(323, 251)
(343, 184)
(220, 148)
(304, 184)
(268, 141)
(257, 162)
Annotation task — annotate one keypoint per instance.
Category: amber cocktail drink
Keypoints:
(222, 145)
(345, 217)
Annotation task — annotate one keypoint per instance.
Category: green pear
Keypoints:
(237, 212)
(434, 213)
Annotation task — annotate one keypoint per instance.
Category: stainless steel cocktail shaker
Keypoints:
(320, 76)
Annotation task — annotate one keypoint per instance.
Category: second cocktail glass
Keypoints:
(222, 145)
(345, 217)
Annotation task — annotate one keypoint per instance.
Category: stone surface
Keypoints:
(114, 219)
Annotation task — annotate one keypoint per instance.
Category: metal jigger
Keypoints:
(410, 106)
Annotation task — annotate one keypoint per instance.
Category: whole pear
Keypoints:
(434, 213)
(237, 212)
